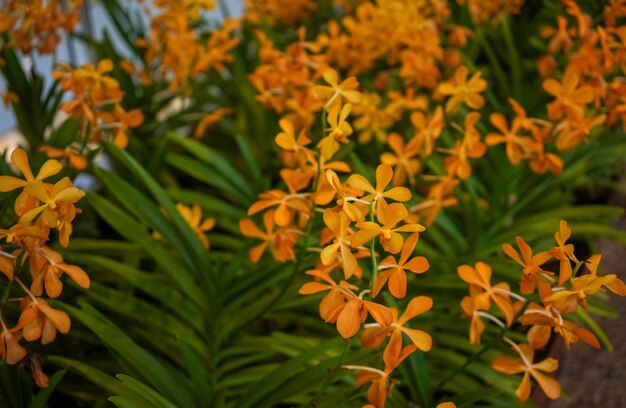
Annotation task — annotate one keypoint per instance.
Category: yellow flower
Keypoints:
(337, 92)
(463, 90)
(193, 216)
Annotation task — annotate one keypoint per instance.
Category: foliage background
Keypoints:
(183, 327)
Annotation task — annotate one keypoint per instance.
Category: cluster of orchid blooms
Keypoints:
(544, 302)
(40, 208)
(359, 216)
(97, 103)
(362, 215)
(444, 112)
(37, 24)
(28, 262)
(425, 83)
(177, 51)
(361, 221)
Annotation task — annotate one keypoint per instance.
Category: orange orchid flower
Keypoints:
(209, 120)
(566, 301)
(427, 130)
(389, 216)
(531, 264)
(561, 37)
(525, 365)
(327, 190)
(280, 242)
(394, 272)
(564, 252)
(19, 232)
(20, 160)
(287, 204)
(381, 386)
(337, 91)
(384, 174)
(350, 315)
(46, 268)
(346, 200)
(11, 351)
(479, 278)
(7, 264)
(336, 292)
(338, 223)
(339, 130)
(477, 326)
(540, 162)
(72, 157)
(193, 216)
(40, 320)
(373, 337)
(469, 148)
(402, 159)
(288, 141)
(439, 196)
(518, 147)
(63, 192)
(570, 97)
(575, 130)
(461, 90)
(549, 317)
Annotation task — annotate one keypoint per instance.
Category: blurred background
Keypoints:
(72, 51)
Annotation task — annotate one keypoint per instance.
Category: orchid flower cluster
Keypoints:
(37, 24)
(589, 92)
(176, 51)
(545, 301)
(283, 80)
(97, 103)
(361, 221)
(40, 207)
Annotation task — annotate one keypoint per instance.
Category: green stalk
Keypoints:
(331, 375)
(514, 60)
(496, 68)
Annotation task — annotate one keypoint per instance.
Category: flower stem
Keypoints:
(332, 374)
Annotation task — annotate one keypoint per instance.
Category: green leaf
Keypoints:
(204, 173)
(202, 388)
(189, 239)
(144, 209)
(65, 134)
(275, 378)
(94, 375)
(469, 399)
(217, 161)
(251, 163)
(122, 402)
(136, 232)
(157, 374)
(147, 283)
(416, 371)
(145, 313)
(209, 203)
(41, 399)
(153, 397)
